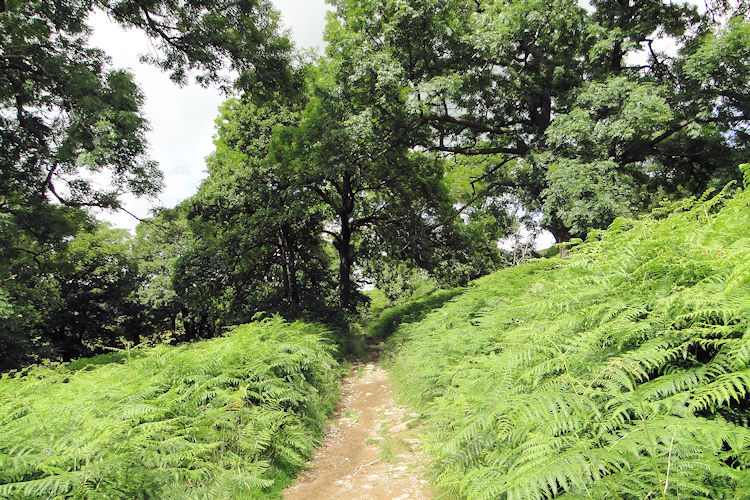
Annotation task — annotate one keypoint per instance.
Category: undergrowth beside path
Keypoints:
(413, 310)
(621, 372)
(232, 417)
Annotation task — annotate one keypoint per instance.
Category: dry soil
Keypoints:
(370, 450)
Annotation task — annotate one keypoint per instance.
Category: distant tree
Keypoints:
(158, 244)
(256, 245)
(29, 289)
(376, 194)
(63, 295)
(99, 281)
(294, 177)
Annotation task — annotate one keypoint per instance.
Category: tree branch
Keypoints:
(336, 236)
(473, 124)
(489, 172)
(481, 151)
(478, 195)
(667, 133)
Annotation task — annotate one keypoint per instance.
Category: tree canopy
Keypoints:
(557, 89)
(72, 129)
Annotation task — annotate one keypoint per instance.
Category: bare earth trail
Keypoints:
(370, 451)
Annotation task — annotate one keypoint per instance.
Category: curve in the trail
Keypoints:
(370, 451)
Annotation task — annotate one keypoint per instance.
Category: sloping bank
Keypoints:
(231, 417)
(621, 372)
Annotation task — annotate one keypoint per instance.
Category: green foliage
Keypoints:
(206, 36)
(66, 291)
(719, 72)
(585, 195)
(619, 372)
(411, 311)
(158, 244)
(73, 135)
(745, 168)
(72, 131)
(378, 196)
(297, 176)
(508, 82)
(98, 279)
(232, 417)
(377, 300)
(256, 241)
(397, 280)
(65, 112)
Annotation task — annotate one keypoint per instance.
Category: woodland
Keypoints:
(361, 196)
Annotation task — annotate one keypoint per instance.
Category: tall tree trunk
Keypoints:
(189, 324)
(202, 326)
(616, 58)
(290, 267)
(284, 264)
(293, 285)
(346, 252)
(345, 264)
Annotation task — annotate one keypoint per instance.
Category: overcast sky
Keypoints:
(182, 118)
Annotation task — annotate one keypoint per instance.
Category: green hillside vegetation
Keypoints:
(620, 372)
(410, 311)
(232, 417)
(399, 156)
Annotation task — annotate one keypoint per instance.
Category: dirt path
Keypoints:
(370, 451)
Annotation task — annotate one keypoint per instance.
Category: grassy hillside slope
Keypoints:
(231, 417)
(621, 372)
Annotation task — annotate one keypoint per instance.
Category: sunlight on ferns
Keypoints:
(232, 417)
(621, 372)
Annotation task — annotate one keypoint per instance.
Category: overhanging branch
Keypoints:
(481, 151)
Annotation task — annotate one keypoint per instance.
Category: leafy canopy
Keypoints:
(556, 91)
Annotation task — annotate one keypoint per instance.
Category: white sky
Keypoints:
(182, 118)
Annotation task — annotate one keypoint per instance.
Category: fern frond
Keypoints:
(621, 372)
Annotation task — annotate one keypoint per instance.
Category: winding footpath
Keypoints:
(370, 450)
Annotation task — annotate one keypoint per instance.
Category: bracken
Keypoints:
(621, 372)
(232, 417)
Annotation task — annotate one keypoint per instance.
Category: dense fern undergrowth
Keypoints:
(232, 417)
(410, 311)
(620, 372)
